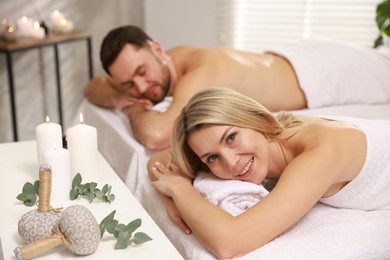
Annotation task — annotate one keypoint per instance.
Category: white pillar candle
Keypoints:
(83, 148)
(38, 32)
(24, 26)
(55, 17)
(63, 26)
(48, 135)
(61, 181)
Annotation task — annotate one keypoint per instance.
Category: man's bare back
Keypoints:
(265, 77)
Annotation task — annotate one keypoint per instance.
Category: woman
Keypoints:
(341, 163)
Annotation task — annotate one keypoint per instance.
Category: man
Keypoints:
(142, 74)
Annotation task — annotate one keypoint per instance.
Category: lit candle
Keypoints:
(38, 32)
(61, 181)
(24, 26)
(83, 148)
(55, 17)
(48, 135)
(63, 26)
(10, 34)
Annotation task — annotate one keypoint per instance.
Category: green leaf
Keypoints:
(123, 240)
(22, 197)
(378, 41)
(103, 223)
(105, 199)
(93, 186)
(140, 238)
(81, 189)
(133, 225)
(110, 216)
(121, 227)
(105, 189)
(111, 225)
(76, 180)
(87, 187)
(28, 188)
(90, 197)
(30, 199)
(29, 194)
(30, 203)
(36, 185)
(383, 17)
(100, 196)
(73, 194)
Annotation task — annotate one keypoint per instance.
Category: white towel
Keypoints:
(332, 72)
(370, 189)
(163, 105)
(233, 196)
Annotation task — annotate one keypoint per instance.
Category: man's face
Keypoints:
(141, 73)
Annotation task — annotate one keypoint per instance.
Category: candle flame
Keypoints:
(11, 29)
(56, 13)
(36, 25)
(47, 119)
(24, 19)
(63, 22)
(81, 118)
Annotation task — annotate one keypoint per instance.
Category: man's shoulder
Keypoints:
(186, 50)
(187, 58)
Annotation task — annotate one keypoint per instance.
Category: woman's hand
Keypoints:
(164, 181)
(166, 178)
(174, 215)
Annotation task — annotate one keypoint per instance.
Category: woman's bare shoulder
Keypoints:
(342, 144)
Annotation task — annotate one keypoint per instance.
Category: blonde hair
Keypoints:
(222, 106)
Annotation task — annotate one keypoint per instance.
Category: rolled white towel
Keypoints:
(233, 196)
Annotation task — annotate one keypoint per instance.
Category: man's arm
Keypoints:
(102, 91)
(153, 128)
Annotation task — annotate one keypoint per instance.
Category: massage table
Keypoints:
(324, 233)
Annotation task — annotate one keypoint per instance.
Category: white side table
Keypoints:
(19, 165)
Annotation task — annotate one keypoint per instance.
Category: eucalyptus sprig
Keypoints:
(90, 190)
(123, 233)
(29, 193)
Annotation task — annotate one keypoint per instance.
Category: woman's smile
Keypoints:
(245, 173)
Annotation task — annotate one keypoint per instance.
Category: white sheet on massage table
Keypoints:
(128, 158)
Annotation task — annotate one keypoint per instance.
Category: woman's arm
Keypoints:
(165, 157)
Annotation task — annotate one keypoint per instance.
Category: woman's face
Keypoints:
(232, 152)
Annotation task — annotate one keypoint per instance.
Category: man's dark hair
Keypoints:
(114, 41)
